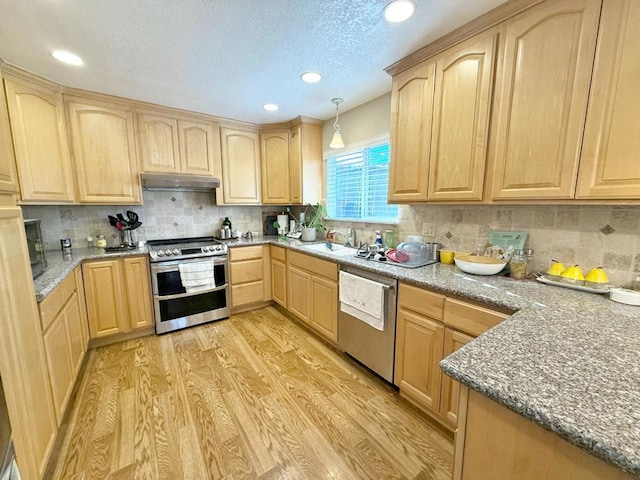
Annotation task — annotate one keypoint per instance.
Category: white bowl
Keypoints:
(477, 265)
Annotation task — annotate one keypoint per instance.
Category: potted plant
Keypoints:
(314, 221)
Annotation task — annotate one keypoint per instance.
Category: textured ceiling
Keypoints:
(225, 57)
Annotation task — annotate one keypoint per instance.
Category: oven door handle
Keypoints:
(189, 294)
(161, 268)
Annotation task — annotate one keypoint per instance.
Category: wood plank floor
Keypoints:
(252, 397)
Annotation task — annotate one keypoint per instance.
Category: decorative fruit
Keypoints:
(556, 269)
(573, 275)
(597, 276)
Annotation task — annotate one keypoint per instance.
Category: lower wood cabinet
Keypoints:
(23, 362)
(430, 327)
(312, 292)
(118, 295)
(279, 275)
(249, 274)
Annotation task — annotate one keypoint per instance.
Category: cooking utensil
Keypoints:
(132, 216)
(112, 220)
(122, 220)
(134, 225)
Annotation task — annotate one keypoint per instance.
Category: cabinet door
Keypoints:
(275, 167)
(464, 77)
(137, 292)
(610, 164)
(77, 347)
(279, 283)
(450, 391)
(158, 141)
(8, 181)
(106, 300)
(324, 307)
(104, 152)
(299, 293)
(411, 120)
(295, 165)
(56, 345)
(541, 97)
(240, 167)
(40, 141)
(23, 362)
(197, 154)
(418, 351)
(82, 303)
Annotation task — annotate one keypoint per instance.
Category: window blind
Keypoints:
(357, 185)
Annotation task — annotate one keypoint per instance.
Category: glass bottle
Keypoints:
(518, 265)
(389, 239)
(378, 240)
(226, 223)
(528, 253)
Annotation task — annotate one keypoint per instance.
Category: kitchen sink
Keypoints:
(336, 249)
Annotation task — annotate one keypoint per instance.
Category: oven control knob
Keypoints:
(161, 253)
(207, 249)
(176, 251)
(218, 247)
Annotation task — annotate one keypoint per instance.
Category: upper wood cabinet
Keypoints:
(411, 122)
(240, 167)
(541, 99)
(8, 181)
(104, 151)
(275, 167)
(610, 163)
(40, 141)
(462, 101)
(305, 162)
(173, 145)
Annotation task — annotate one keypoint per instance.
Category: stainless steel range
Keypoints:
(190, 282)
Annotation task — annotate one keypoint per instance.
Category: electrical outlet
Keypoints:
(429, 229)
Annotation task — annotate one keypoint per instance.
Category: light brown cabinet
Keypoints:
(610, 160)
(411, 123)
(39, 133)
(312, 292)
(279, 275)
(460, 132)
(240, 167)
(249, 275)
(8, 179)
(275, 167)
(292, 164)
(430, 327)
(23, 363)
(176, 145)
(542, 88)
(118, 294)
(104, 150)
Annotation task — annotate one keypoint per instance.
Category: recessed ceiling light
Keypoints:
(67, 57)
(399, 10)
(270, 107)
(311, 77)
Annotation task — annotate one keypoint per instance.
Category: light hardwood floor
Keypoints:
(253, 397)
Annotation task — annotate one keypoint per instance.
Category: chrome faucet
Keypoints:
(349, 237)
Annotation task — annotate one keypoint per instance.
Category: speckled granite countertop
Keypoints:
(566, 360)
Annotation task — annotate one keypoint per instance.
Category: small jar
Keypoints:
(528, 253)
(518, 265)
(390, 239)
(101, 242)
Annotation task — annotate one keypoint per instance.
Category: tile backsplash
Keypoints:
(607, 236)
(163, 215)
(591, 236)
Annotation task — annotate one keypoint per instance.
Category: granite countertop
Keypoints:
(566, 360)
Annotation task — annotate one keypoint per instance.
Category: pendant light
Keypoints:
(336, 141)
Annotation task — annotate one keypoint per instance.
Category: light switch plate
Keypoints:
(429, 229)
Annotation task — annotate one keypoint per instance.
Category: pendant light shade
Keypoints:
(336, 141)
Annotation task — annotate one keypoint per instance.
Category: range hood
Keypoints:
(173, 182)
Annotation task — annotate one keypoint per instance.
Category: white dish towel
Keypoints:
(363, 299)
(197, 276)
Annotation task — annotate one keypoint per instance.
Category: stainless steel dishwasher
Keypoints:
(373, 348)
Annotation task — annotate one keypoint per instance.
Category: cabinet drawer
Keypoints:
(470, 318)
(53, 303)
(278, 253)
(314, 265)
(244, 272)
(421, 301)
(247, 293)
(245, 253)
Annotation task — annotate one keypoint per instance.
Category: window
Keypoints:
(357, 185)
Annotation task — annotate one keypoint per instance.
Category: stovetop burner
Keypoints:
(181, 248)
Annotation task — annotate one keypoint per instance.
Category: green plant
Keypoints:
(315, 218)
